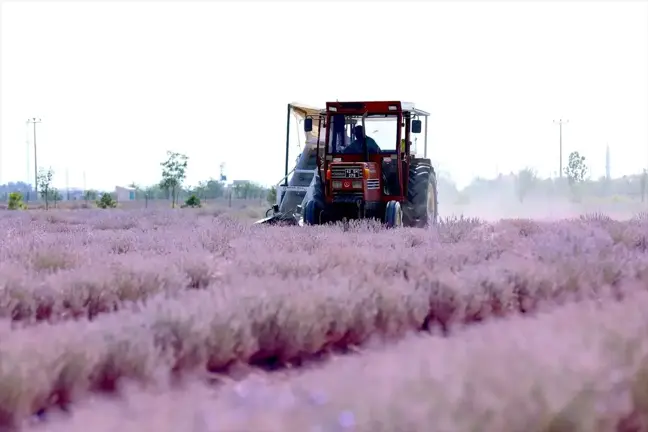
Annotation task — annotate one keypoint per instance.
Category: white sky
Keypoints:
(118, 84)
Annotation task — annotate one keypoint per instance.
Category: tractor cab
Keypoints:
(365, 166)
(374, 140)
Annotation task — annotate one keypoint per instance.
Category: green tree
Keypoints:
(576, 169)
(200, 191)
(272, 196)
(16, 201)
(106, 201)
(55, 196)
(149, 193)
(248, 190)
(173, 174)
(576, 172)
(215, 189)
(236, 190)
(44, 181)
(193, 201)
(90, 195)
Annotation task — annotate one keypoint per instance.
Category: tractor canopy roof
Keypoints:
(360, 107)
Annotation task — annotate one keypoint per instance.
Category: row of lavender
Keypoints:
(582, 367)
(189, 292)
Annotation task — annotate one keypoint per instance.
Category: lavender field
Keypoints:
(191, 320)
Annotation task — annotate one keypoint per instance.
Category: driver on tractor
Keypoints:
(356, 145)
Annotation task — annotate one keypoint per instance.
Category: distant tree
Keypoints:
(106, 201)
(200, 190)
(237, 190)
(149, 193)
(173, 174)
(44, 181)
(644, 180)
(90, 195)
(525, 181)
(55, 196)
(215, 189)
(272, 196)
(576, 172)
(193, 201)
(576, 169)
(16, 201)
(248, 190)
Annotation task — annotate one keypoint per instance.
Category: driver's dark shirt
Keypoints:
(356, 146)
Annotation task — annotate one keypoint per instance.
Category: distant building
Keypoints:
(124, 194)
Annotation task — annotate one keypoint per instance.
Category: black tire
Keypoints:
(420, 208)
(318, 191)
(318, 196)
(311, 213)
(393, 215)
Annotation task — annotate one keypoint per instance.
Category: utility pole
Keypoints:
(607, 162)
(35, 120)
(560, 123)
(28, 161)
(67, 183)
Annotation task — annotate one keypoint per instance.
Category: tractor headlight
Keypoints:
(336, 184)
(356, 185)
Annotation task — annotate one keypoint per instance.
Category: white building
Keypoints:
(124, 194)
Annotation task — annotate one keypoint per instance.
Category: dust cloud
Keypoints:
(493, 205)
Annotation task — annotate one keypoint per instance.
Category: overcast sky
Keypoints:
(118, 84)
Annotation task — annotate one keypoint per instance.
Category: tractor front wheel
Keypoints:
(393, 215)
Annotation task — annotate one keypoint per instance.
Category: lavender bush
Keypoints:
(577, 368)
(93, 300)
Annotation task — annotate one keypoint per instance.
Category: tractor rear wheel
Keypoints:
(318, 191)
(393, 215)
(319, 198)
(315, 206)
(311, 213)
(420, 208)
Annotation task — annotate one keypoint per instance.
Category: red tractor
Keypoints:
(366, 169)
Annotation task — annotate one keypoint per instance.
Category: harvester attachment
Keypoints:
(296, 187)
(281, 218)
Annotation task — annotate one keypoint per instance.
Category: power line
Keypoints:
(560, 123)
